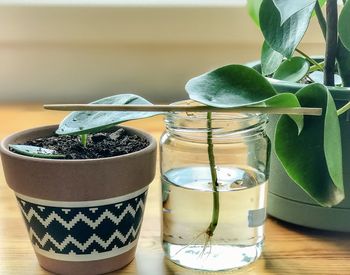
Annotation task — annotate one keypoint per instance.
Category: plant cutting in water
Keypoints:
(214, 180)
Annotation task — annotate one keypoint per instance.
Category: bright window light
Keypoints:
(126, 2)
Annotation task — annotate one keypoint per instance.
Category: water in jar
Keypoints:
(187, 211)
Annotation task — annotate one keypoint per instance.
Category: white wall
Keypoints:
(77, 53)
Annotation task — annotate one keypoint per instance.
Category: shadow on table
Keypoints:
(341, 238)
(310, 251)
(172, 268)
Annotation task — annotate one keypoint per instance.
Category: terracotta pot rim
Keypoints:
(5, 142)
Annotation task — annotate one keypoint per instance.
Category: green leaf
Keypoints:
(322, 2)
(84, 122)
(287, 100)
(270, 60)
(288, 8)
(253, 10)
(313, 159)
(292, 70)
(332, 144)
(318, 76)
(343, 25)
(34, 151)
(283, 38)
(343, 60)
(230, 86)
(238, 85)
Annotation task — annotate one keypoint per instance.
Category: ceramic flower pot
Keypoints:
(82, 216)
(286, 200)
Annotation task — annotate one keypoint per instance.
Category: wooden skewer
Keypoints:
(183, 108)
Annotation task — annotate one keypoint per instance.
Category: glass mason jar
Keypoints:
(216, 226)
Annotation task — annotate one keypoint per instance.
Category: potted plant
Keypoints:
(82, 191)
(283, 24)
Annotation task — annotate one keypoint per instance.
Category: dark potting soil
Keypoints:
(99, 145)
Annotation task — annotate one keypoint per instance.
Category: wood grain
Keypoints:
(184, 108)
(288, 249)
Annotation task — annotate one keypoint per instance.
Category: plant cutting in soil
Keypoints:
(84, 216)
(98, 145)
(89, 135)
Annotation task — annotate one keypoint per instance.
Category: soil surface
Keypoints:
(99, 145)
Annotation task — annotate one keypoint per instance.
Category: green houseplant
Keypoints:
(283, 24)
(83, 215)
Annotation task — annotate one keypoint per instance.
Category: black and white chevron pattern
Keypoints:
(79, 231)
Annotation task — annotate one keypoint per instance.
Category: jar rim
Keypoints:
(224, 126)
(216, 116)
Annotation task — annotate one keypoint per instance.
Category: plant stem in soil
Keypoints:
(83, 139)
(331, 42)
(214, 179)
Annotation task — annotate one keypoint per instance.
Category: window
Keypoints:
(80, 50)
(128, 2)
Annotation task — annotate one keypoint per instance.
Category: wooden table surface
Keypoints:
(288, 249)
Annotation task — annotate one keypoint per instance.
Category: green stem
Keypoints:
(214, 178)
(321, 20)
(308, 78)
(308, 58)
(314, 68)
(331, 42)
(83, 139)
(343, 60)
(343, 109)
